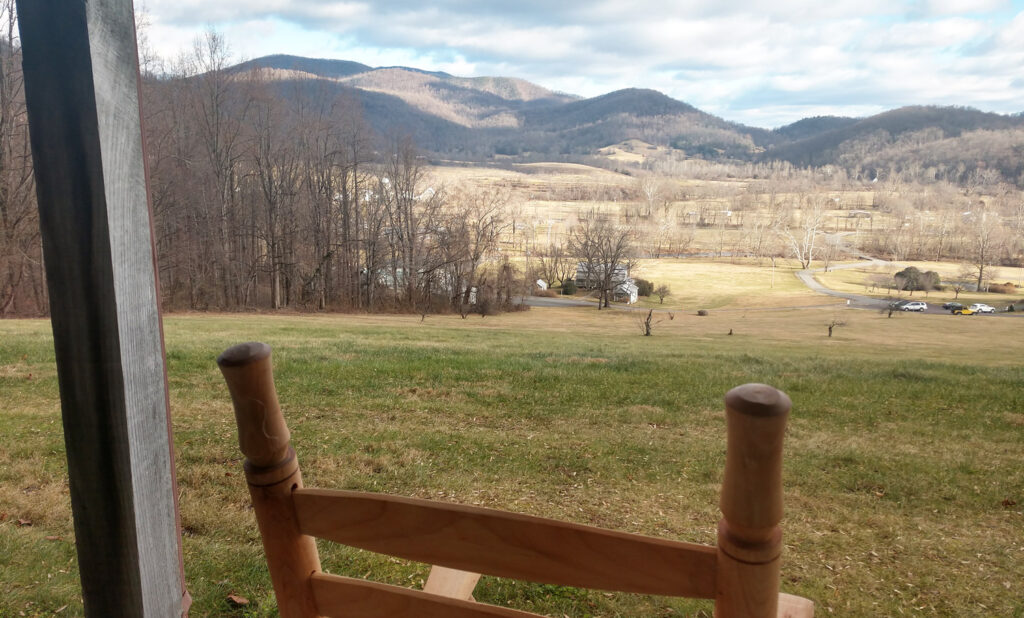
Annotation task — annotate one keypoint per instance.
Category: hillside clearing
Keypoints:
(902, 464)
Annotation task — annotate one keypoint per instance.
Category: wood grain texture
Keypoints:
(507, 544)
(291, 556)
(346, 597)
(451, 583)
(272, 471)
(751, 497)
(749, 537)
(263, 435)
(81, 88)
(792, 606)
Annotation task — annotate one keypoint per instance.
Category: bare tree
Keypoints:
(474, 223)
(333, 147)
(218, 109)
(985, 237)
(964, 278)
(800, 231)
(552, 264)
(654, 193)
(274, 183)
(22, 287)
(647, 323)
(830, 250)
(413, 212)
(605, 251)
(662, 291)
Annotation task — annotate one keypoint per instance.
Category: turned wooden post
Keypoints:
(749, 537)
(272, 471)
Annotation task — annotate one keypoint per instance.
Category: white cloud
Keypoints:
(962, 7)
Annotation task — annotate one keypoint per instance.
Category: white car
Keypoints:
(982, 308)
(915, 305)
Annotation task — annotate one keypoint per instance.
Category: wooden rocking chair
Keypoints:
(741, 574)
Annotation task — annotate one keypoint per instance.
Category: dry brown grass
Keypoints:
(900, 454)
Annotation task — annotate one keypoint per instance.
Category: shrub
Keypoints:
(644, 287)
(487, 306)
(569, 287)
(546, 293)
(912, 279)
(702, 312)
(1002, 288)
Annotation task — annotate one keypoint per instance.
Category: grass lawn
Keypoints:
(903, 473)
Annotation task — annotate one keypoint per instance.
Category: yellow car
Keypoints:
(963, 311)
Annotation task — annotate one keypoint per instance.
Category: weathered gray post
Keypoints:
(81, 89)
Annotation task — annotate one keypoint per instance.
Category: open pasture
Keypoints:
(727, 283)
(902, 474)
(716, 215)
(860, 281)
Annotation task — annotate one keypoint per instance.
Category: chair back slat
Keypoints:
(506, 544)
(343, 596)
(741, 573)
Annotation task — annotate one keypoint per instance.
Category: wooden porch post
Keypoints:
(81, 90)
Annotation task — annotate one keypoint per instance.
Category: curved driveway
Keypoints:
(858, 301)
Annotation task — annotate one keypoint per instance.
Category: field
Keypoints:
(547, 199)
(903, 479)
(732, 283)
(857, 281)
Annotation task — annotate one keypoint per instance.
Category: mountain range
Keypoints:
(482, 117)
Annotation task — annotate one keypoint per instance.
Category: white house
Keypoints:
(623, 286)
(587, 280)
(626, 291)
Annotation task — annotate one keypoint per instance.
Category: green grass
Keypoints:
(899, 458)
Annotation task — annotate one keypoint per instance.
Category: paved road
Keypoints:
(543, 301)
(859, 301)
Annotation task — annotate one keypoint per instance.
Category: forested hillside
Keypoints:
(925, 143)
(295, 182)
(478, 118)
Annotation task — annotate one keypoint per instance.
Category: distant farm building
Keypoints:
(623, 287)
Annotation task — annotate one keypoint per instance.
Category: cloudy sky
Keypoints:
(763, 64)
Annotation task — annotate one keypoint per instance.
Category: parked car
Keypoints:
(982, 308)
(915, 305)
(953, 306)
(963, 311)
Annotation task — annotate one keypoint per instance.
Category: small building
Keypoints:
(624, 289)
(587, 280)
